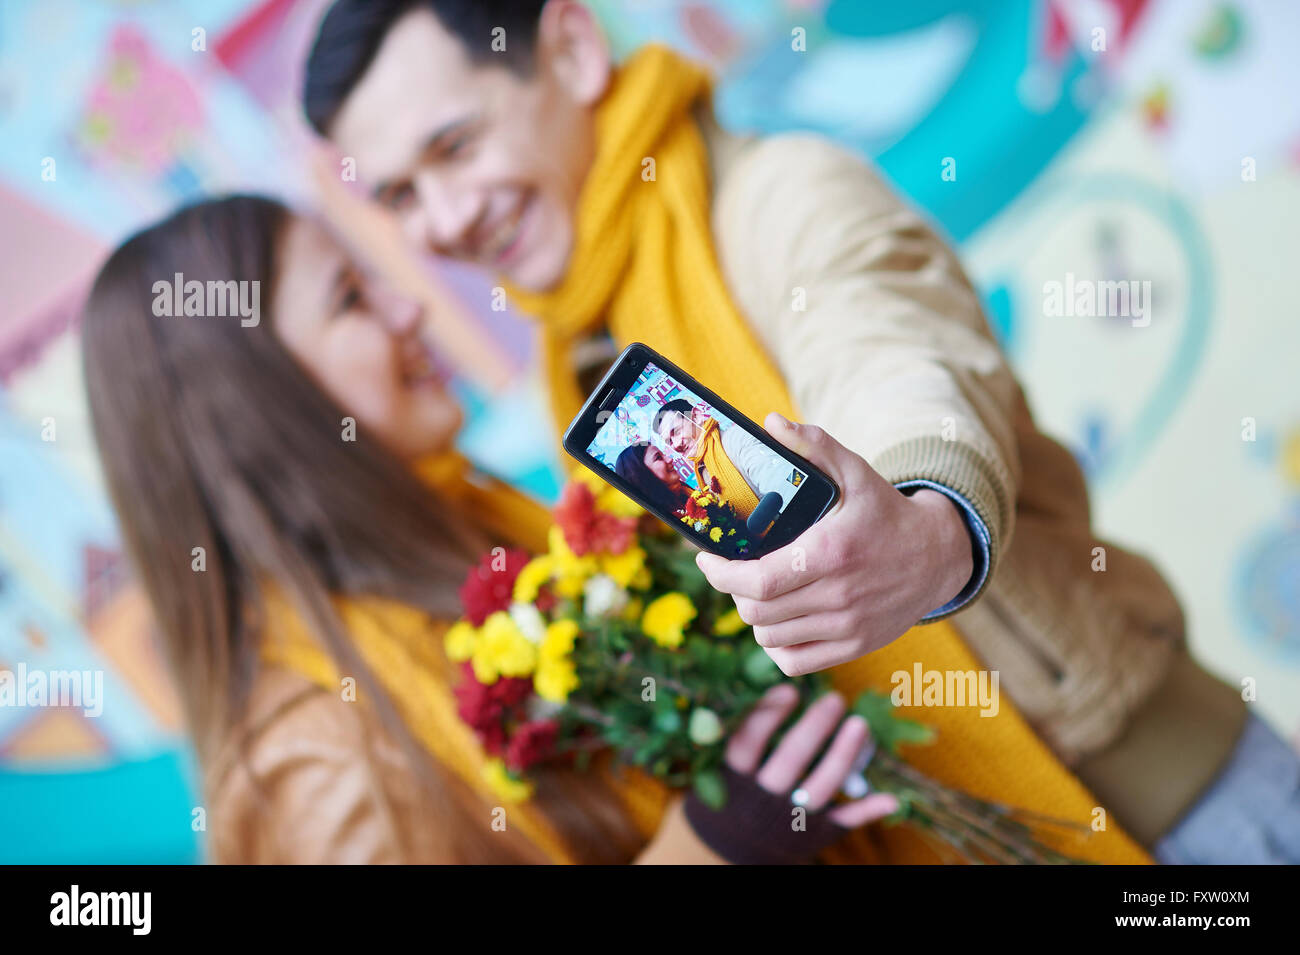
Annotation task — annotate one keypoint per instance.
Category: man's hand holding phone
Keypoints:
(860, 577)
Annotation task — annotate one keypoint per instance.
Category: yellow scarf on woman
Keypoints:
(712, 456)
(644, 267)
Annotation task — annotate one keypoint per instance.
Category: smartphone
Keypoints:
(694, 461)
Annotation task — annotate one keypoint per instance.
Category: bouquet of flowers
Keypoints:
(614, 640)
(708, 513)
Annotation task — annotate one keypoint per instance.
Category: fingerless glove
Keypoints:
(756, 827)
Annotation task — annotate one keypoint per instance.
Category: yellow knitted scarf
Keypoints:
(710, 454)
(644, 267)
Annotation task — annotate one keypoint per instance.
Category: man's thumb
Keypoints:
(816, 445)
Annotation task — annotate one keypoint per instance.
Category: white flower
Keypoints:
(540, 709)
(602, 596)
(529, 621)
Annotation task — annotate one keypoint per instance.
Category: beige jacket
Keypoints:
(892, 355)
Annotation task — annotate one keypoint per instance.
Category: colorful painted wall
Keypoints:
(1167, 146)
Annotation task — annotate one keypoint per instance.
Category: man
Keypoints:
(610, 200)
(732, 463)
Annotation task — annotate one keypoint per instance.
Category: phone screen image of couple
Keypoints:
(694, 465)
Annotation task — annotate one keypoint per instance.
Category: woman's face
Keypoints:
(361, 344)
(662, 468)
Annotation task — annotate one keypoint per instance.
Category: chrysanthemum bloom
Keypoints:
(531, 743)
(503, 784)
(502, 650)
(489, 586)
(588, 528)
(665, 620)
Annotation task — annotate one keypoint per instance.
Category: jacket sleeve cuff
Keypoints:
(980, 547)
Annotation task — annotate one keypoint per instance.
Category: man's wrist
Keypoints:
(948, 544)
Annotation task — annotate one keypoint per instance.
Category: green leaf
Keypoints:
(667, 720)
(759, 669)
(888, 728)
(711, 788)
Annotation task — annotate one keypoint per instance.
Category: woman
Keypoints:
(647, 469)
(289, 495)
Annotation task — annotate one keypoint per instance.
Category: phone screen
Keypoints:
(696, 464)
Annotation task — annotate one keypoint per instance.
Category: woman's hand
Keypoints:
(762, 822)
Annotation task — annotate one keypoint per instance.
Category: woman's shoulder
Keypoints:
(308, 776)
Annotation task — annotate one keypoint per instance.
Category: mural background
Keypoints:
(1125, 162)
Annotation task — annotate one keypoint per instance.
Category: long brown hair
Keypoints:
(211, 435)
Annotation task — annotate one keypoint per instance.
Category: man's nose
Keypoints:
(446, 214)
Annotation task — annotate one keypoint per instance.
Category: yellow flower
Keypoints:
(608, 498)
(664, 621)
(624, 568)
(614, 501)
(729, 623)
(555, 679)
(502, 650)
(535, 573)
(558, 642)
(571, 571)
(556, 676)
(505, 786)
(715, 535)
(585, 476)
(460, 640)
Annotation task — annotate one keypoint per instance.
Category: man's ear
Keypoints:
(571, 44)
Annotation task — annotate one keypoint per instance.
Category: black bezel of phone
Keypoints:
(815, 498)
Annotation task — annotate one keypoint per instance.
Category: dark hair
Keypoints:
(631, 466)
(680, 405)
(353, 30)
(212, 435)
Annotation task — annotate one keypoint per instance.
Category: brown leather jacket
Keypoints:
(321, 781)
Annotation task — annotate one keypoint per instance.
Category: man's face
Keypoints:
(481, 164)
(679, 433)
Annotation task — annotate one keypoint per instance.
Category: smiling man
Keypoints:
(489, 169)
(784, 273)
(733, 463)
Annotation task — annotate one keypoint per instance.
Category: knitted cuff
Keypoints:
(757, 827)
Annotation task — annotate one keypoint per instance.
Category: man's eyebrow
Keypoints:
(431, 142)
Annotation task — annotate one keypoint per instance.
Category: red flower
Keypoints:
(484, 707)
(531, 743)
(493, 739)
(587, 528)
(488, 587)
